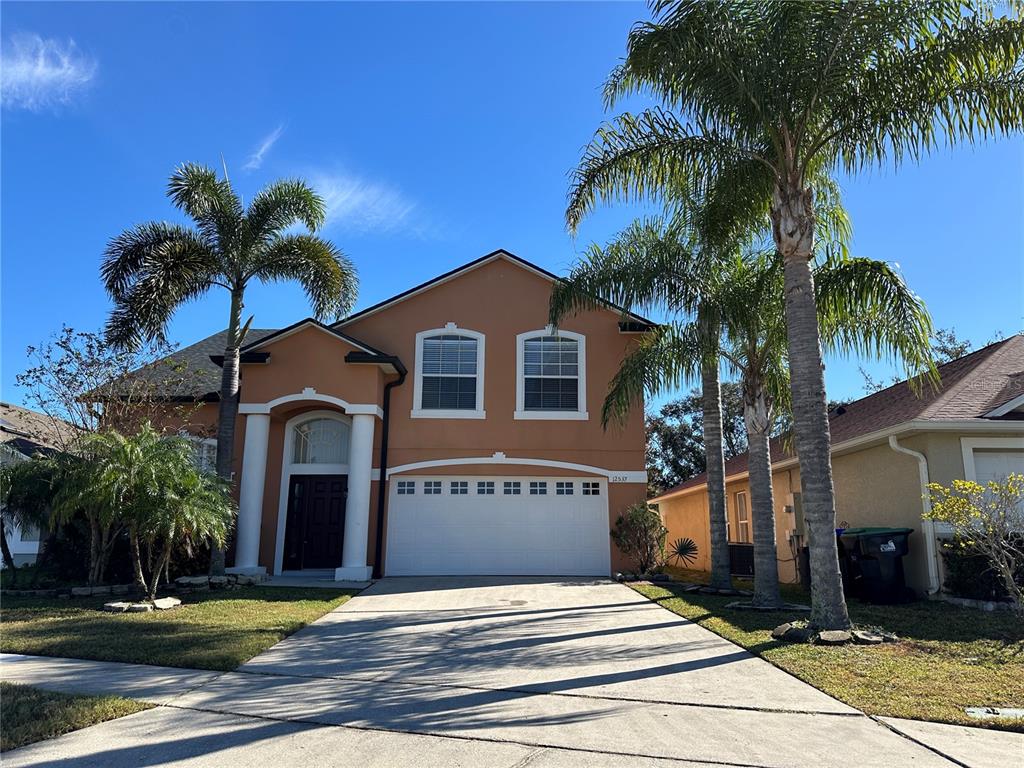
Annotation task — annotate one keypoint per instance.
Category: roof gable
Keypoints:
(511, 258)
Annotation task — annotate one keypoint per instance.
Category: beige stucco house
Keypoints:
(885, 449)
(446, 430)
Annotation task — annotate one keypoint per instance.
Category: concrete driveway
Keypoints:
(498, 672)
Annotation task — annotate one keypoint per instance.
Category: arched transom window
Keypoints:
(449, 374)
(321, 441)
(551, 368)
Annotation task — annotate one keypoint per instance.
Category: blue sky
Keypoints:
(436, 133)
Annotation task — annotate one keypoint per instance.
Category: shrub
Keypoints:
(988, 519)
(969, 573)
(639, 534)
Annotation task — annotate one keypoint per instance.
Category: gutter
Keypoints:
(926, 504)
(378, 547)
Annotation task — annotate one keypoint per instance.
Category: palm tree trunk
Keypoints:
(162, 565)
(95, 550)
(757, 416)
(227, 412)
(140, 576)
(711, 400)
(793, 229)
(5, 549)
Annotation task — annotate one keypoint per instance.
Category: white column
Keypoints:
(250, 495)
(357, 507)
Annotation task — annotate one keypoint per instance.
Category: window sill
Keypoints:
(552, 415)
(418, 413)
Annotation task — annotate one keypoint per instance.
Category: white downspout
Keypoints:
(926, 505)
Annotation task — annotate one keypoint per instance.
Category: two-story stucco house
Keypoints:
(446, 430)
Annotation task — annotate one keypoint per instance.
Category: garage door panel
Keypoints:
(499, 533)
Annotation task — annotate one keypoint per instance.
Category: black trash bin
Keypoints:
(876, 563)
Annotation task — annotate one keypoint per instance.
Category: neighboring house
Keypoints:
(24, 434)
(445, 430)
(886, 448)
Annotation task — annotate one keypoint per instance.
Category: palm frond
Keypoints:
(865, 307)
(664, 358)
(327, 276)
(649, 264)
(211, 202)
(280, 205)
(132, 253)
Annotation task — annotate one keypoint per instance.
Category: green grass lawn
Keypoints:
(948, 658)
(211, 630)
(32, 714)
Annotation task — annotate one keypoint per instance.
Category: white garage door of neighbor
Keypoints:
(996, 465)
(509, 526)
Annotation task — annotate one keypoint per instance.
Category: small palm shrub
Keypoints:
(683, 551)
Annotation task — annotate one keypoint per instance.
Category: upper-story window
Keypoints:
(551, 375)
(449, 380)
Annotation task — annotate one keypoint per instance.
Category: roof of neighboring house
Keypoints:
(971, 387)
(29, 432)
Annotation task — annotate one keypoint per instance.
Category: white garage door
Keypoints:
(548, 526)
(996, 465)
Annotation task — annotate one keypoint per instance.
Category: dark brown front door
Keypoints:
(315, 526)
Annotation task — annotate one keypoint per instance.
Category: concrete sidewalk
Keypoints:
(488, 672)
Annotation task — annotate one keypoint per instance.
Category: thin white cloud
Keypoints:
(42, 73)
(359, 205)
(256, 158)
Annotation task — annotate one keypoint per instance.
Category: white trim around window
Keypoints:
(580, 414)
(418, 411)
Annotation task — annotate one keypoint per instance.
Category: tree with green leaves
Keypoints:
(758, 100)
(150, 483)
(153, 269)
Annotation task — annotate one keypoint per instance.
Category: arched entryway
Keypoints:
(314, 489)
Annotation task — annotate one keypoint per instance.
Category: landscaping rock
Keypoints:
(100, 591)
(121, 589)
(166, 603)
(660, 577)
(116, 607)
(693, 588)
(629, 576)
(834, 637)
(780, 631)
(798, 635)
(140, 607)
(865, 637)
(193, 582)
(218, 582)
(81, 591)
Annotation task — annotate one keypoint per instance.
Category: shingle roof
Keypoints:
(28, 432)
(971, 386)
(200, 377)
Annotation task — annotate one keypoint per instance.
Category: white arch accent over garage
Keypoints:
(614, 476)
(311, 394)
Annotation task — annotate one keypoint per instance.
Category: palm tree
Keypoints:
(150, 483)
(652, 264)
(153, 269)
(864, 306)
(771, 95)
